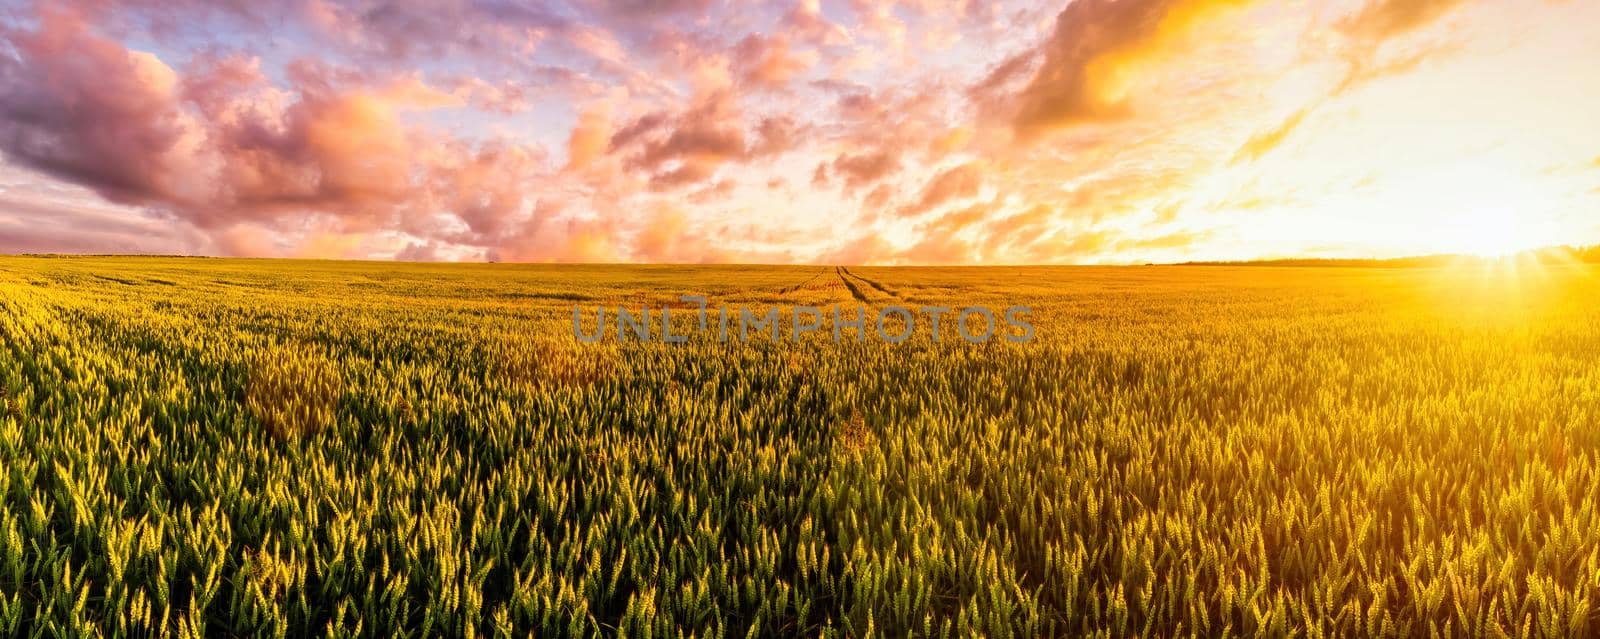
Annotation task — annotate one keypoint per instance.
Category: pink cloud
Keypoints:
(955, 183)
(221, 146)
(688, 146)
(859, 170)
(84, 109)
(770, 62)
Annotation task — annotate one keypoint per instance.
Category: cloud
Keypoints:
(647, 9)
(769, 62)
(1030, 236)
(869, 248)
(220, 146)
(955, 183)
(806, 20)
(34, 224)
(419, 252)
(708, 131)
(485, 186)
(85, 110)
(776, 135)
(590, 137)
(938, 249)
(687, 147)
(1262, 143)
(1073, 246)
(859, 170)
(877, 20)
(692, 171)
(1079, 73)
(1018, 228)
(667, 237)
(549, 236)
(1364, 32)
(505, 97)
(939, 241)
(1381, 20)
(878, 198)
(389, 32)
(598, 43)
(959, 220)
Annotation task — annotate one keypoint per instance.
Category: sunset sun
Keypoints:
(1492, 233)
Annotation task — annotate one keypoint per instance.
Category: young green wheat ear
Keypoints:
(293, 390)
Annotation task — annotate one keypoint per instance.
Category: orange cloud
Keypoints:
(955, 183)
(1015, 229)
(769, 62)
(858, 170)
(1383, 19)
(1081, 72)
(589, 137)
(1265, 141)
(1380, 21)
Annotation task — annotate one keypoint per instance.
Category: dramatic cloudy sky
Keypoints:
(854, 131)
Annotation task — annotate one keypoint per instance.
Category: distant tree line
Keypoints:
(1549, 255)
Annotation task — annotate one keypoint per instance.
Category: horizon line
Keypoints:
(1575, 253)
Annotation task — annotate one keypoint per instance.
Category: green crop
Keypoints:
(198, 447)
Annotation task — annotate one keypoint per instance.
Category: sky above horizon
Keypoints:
(809, 131)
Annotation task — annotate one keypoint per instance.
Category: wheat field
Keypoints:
(202, 447)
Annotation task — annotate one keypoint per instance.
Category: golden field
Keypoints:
(201, 447)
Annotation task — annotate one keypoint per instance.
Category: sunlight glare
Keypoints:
(1491, 232)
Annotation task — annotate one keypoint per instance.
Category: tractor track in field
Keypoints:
(790, 289)
(874, 284)
(854, 290)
